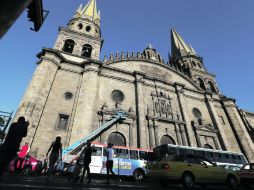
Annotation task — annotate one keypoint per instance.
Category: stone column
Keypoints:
(240, 131)
(217, 145)
(198, 139)
(141, 110)
(151, 136)
(184, 113)
(156, 136)
(183, 134)
(85, 118)
(132, 141)
(104, 136)
(178, 134)
(216, 122)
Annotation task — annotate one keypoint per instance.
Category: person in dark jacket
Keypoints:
(56, 152)
(87, 160)
(11, 144)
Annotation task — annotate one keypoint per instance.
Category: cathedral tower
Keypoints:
(184, 58)
(82, 37)
(64, 82)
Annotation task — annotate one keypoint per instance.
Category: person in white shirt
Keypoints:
(110, 163)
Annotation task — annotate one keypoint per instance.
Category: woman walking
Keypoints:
(56, 151)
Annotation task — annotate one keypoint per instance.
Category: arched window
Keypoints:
(68, 46)
(86, 51)
(201, 83)
(211, 85)
(117, 138)
(207, 146)
(166, 139)
(197, 114)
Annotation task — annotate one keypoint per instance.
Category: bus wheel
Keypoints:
(188, 180)
(138, 175)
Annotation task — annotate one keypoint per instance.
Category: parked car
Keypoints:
(28, 166)
(246, 174)
(190, 169)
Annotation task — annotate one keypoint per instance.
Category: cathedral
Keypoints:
(175, 101)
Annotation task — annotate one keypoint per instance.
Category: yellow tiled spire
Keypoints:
(91, 10)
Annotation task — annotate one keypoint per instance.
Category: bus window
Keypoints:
(243, 160)
(122, 153)
(97, 151)
(134, 154)
(182, 151)
(161, 152)
(105, 151)
(224, 158)
(239, 160)
(143, 155)
(216, 157)
(209, 156)
(190, 151)
(172, 150)
(200, 153)
(233, 158)
(220, 157)
(116, 152)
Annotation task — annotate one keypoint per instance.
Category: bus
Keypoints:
(127, 161)
(217, 156)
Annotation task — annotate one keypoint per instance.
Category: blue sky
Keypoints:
(221, 31)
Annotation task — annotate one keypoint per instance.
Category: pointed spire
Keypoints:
(91, 10)
(179, 46)
(78, 12)
(192, 50)
(99, 16)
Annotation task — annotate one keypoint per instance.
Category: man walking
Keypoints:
(87, 160)
(110, 162)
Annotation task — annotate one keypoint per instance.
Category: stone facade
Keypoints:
(72, 93)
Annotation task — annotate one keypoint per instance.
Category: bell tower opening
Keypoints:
(87, 51)
(68, 46)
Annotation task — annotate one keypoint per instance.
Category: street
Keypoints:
(60, 182)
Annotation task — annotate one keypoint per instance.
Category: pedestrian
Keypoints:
(56, 152)
(21, 157)
(87, 160)
(110, 162)
(44, 166)
(11, 145)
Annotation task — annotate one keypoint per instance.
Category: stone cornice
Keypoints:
(42, 54)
